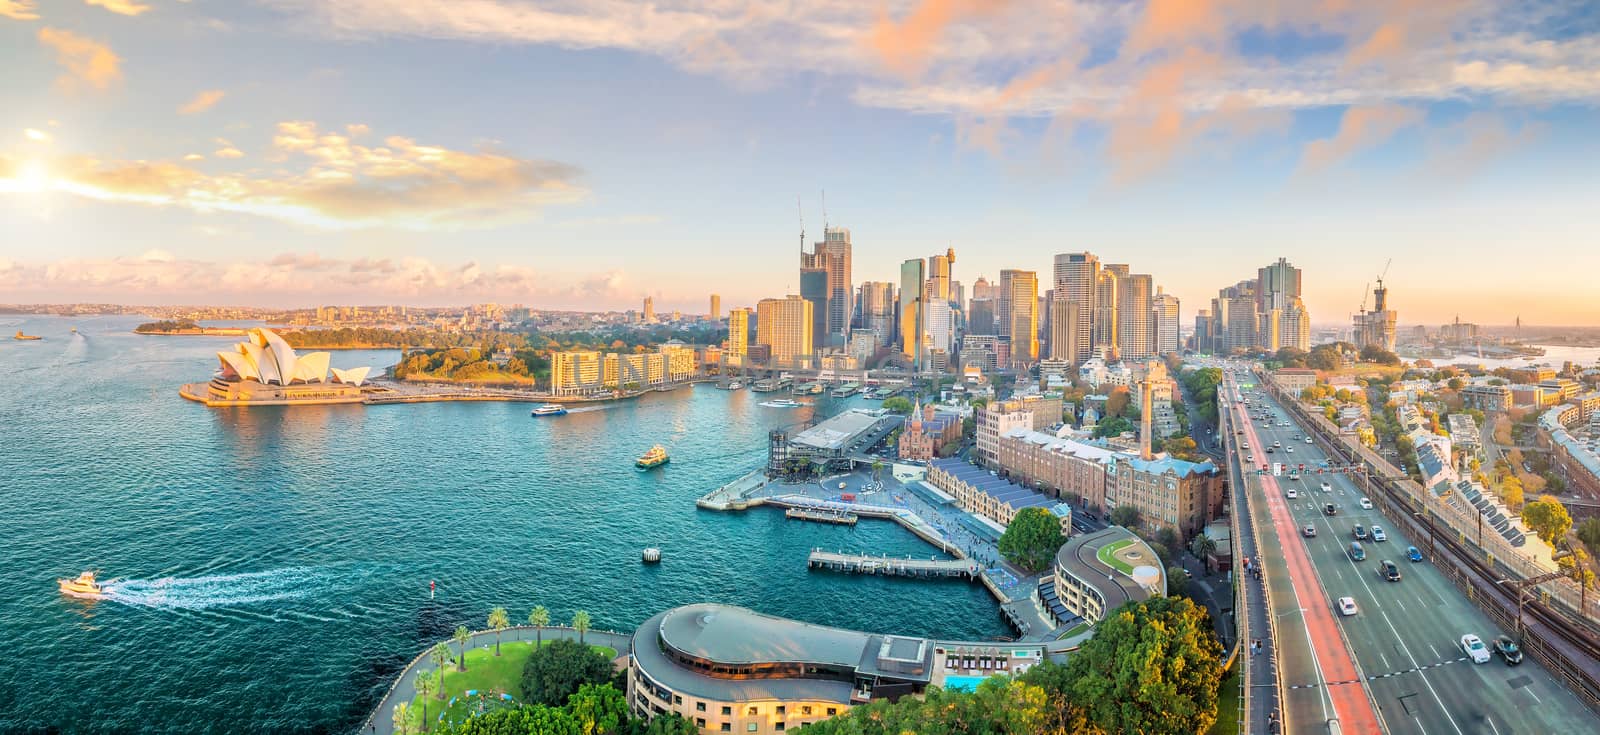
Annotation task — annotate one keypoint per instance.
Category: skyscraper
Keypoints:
(1135, 301)
(1076, 277)
(877, 309)
(784, 326)
(716, 307)
(1377, 327)
(983, 289)
(911, 284)
(738, 337)
(939, 324)
(939, 275)
(1167, 323)
(814, 288)
(649, 313)
(832, 255)
(1067, 337)
(1019, 314)
(1104, 319)
(980, 316)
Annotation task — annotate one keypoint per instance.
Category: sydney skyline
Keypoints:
(586, 154)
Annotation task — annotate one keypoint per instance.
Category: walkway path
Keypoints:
(404, 688)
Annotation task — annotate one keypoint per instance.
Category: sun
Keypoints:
(29, 178)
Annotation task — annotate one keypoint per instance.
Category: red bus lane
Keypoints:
(1345, 687)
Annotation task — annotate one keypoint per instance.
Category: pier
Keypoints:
(892, 566)
(843, 518)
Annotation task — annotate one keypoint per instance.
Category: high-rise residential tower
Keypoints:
(1019, 314)
(1135, 304)
(1103, 321)
(1076, 277)
(1167, 323)
(738, 337)
(716, 307)
(649, 314)
(784, 325)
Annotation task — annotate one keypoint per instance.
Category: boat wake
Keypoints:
(222, 590)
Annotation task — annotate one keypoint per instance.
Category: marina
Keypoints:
(836, 561)
(843, 518)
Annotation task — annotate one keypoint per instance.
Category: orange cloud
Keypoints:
(906, 47)
(1169, 22)
(87, 61)
(202, 102)
(1361, 127)
(120, 7)
(19, 9)
(1386, 42)
(400, 184)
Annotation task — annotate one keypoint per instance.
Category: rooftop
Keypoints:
(1081, 556)
(1002, 490)
(836, 432)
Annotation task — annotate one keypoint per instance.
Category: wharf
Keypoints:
(891, 566)
(822, 516)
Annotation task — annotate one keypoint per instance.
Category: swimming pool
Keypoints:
(963, 683)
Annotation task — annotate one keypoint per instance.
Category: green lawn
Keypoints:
(485, 673)
(1227, 704)
(1107, 555)
(1074, 630)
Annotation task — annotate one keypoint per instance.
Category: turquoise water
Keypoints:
(276, 561)
(964, 683)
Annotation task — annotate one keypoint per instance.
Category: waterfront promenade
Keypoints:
(404, 688)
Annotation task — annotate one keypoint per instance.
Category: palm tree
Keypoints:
(1203, 547)
(499, 621)
(424, 687)
(580, 623)
(539, 618)
(402, 718)
(440, 655)
(462, 637)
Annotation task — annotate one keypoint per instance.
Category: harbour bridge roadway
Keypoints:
(1403, 644)
(1321, 680)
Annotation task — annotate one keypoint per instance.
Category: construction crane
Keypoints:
(802, 214)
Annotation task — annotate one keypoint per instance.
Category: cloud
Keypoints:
(201, 102)
(298, 279)
(36, 135)
(88, 62)
(19, 9)
(194, 157)
(905, 47)
(120, 7)
(1360, 128)
(324, 180)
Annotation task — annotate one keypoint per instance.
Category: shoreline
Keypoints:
(395, 392)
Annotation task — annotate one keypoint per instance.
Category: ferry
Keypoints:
(83, 586)
(782, 403)
(20, 337)
(846, 390)
(731, 385)
(549, 409)
(652, 459)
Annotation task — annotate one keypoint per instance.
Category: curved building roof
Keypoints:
(267, 358)
(736, 635)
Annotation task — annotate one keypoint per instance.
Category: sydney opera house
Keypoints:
(265, 371)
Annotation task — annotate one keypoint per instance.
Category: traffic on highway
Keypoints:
(1374, 637)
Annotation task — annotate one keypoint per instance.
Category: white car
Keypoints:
(1378, 534)
(1289, 450)
(1473, 646)
(1347, 607)
(1291, 493)
(1327, 488)
(1366, 504)
(1308, 440)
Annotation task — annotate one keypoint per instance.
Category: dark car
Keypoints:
(1508, 650)
(1389, 571)
(1330, 509)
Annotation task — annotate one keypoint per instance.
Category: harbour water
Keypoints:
(275, 562)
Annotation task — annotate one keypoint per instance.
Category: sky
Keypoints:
(586, 153)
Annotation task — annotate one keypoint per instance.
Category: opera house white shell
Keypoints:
(267, 359)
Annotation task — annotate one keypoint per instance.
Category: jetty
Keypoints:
(843, 518)
(835, 561)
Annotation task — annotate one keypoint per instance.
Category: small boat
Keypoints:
(781, 403)
(83, 586)
(652, 555)
(652, 459)
(549, 409)
(20, 337)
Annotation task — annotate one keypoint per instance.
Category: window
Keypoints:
(833, 711)
(677, 699)
(727, 710)
(726, 727)
(699, 706)
(782, 709)
(778, 727)
(805, 709)
(751, 727)
(700, 722)
(752, 711)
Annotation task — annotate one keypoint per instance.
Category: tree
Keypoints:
(440, 655)
(1177, 583)
(1548, 518)
(599, 709)
(1181, 447)
(402, 718)
(1111, 425)
(539, 618)
(1126, 516)
(1152, 667)
(1203, 547)
(424, 686)
(1032, 539)
(518, 721)
(498, 622)
(580, 623)
(897, 404)
(1589, 533)
(1118, 402)
(671, 723)
(462, 637)
(554, 672)
(1511, 491)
